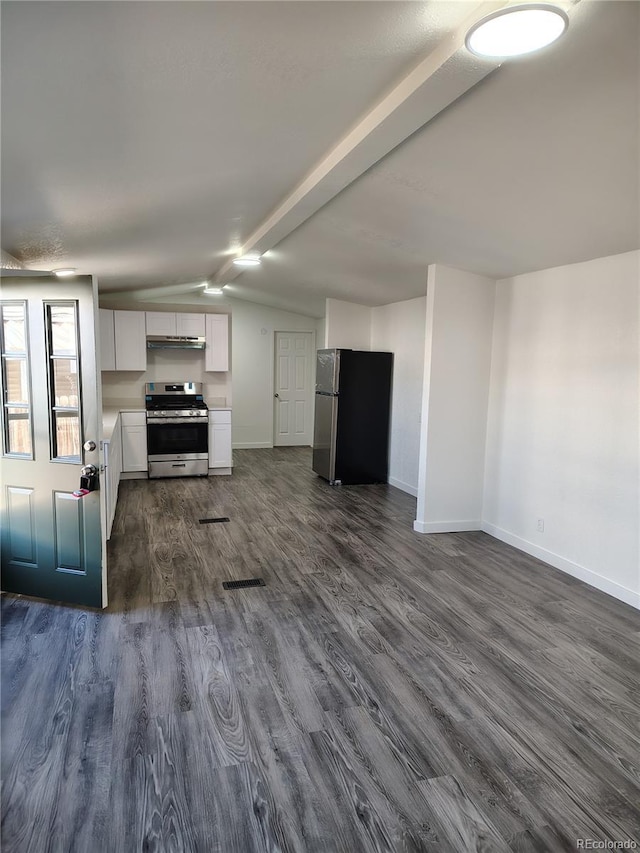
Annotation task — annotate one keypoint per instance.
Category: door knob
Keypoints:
(276, 395)
(89, 445)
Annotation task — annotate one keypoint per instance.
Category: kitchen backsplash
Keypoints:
(170, 365)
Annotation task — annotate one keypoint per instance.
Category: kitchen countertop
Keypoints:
(110, 411)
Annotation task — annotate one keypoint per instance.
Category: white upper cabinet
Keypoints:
(130, 340)
(161, 323)
(216, 354)
(107, 340)
(167, 323)
(191, 325)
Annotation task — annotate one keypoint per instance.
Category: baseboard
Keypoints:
(252, 445)
(217, 472)
(134, 475)
(622, 593)
(446, 526)
(404, 487)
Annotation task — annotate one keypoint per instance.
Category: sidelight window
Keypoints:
(17, 435)
(64, 383)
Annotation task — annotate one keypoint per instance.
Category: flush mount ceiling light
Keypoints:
(64, 271)
(213, 291)
(250, 260)
(517, 30)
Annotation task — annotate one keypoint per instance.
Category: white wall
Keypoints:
(563, 432)
(252, 361)
(457, 358)
(348, 325)
(399, 328)
(321, 333)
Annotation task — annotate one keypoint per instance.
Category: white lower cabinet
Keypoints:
(111, 474)
(134, 441)
(220, 439)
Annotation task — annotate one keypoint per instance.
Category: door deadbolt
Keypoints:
(89, 445)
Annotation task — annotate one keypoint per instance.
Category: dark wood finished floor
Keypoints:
(384, 691)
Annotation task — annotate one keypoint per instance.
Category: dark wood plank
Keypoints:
(216, 699)
(460, 821)
(150, 808)
(82, 810)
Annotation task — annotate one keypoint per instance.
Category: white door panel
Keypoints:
(293, 389)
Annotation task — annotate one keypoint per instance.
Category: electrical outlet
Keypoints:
(541, 525)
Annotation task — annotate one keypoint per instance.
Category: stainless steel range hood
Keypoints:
(174, 342)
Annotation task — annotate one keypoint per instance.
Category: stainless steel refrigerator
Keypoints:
(352, 413)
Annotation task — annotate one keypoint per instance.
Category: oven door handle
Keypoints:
(198, 420)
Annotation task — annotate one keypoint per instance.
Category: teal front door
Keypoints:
(52, 543)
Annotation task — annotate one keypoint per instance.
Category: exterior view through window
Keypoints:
(16, 397)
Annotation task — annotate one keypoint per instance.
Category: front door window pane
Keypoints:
(65, 382)
(13, 328)
(18, 433)
(64, 385)
(64, 333)
(67, 435)
(17, 381)
(16, 405)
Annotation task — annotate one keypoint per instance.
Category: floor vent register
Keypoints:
(243, 583)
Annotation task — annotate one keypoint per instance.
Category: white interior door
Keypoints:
(52, 544)
(293, 389)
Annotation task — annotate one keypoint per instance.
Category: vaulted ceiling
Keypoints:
(352, 142)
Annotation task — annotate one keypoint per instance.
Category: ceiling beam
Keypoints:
(446, 73)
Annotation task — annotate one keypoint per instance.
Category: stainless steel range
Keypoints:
(177, 429)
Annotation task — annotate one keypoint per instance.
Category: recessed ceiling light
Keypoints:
(517, 30)
(64, 271)
(250, 260)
